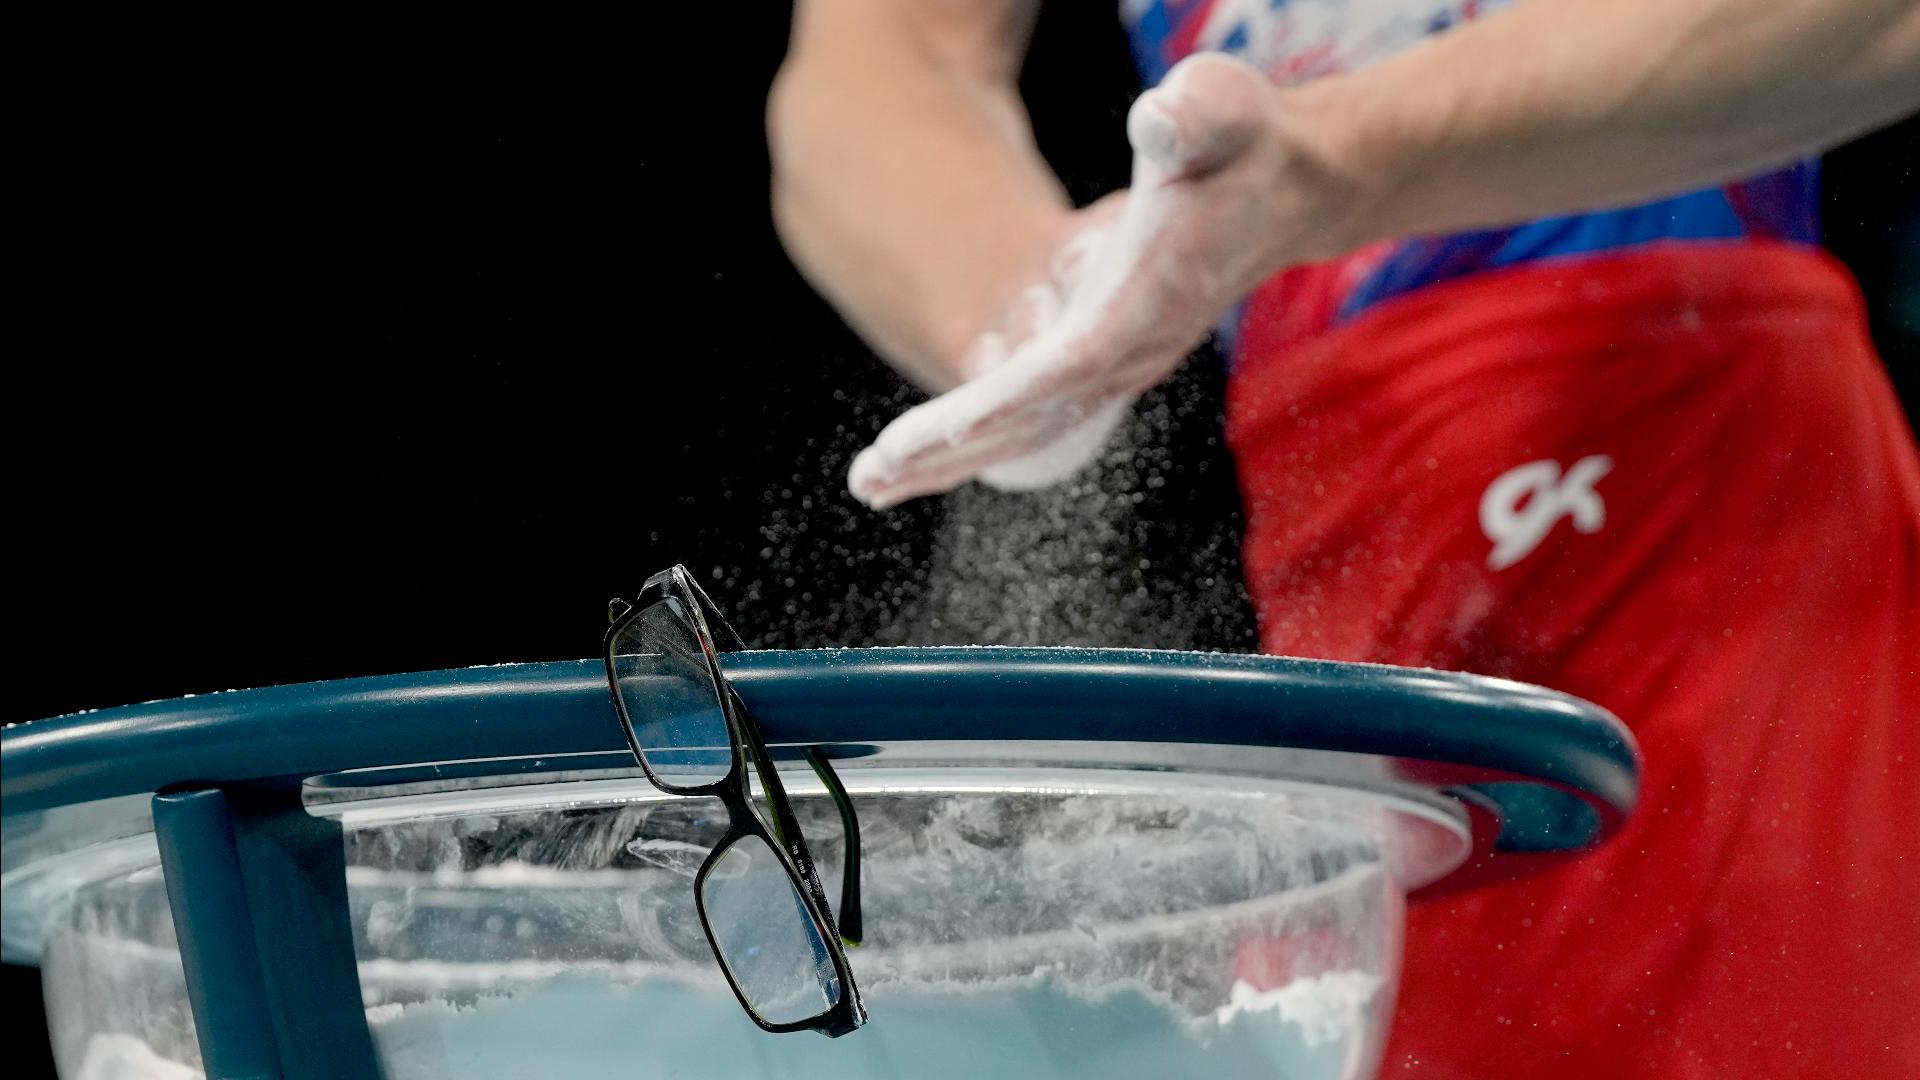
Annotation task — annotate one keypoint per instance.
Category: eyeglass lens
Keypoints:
(670, 697)
(763, 934)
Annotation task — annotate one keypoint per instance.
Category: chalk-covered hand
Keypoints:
(1222, 195)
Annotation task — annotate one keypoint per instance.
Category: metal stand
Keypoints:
(258, 889)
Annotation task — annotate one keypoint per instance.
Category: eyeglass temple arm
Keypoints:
(846, 917)
(849, 910)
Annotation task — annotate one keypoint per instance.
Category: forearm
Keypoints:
(906, 184)
(1558, 106)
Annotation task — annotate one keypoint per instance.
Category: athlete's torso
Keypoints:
(1297, 40)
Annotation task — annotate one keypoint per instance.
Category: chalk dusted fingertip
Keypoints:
(867, 475)
(1152, 130)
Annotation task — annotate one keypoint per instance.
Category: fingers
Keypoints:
(1034, 435)
(1044, 395)
(1003, 407)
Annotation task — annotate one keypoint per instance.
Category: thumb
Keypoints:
(1204, 114)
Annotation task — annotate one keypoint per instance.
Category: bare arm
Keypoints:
(1569, 105)
(906, 183)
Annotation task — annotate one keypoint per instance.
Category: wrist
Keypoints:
(1010, 250)
(1348, 170)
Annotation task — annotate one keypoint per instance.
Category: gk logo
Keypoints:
(1517, 529)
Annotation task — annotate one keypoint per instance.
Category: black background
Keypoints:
(361, 360)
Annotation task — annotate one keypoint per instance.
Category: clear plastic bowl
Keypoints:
(1021, 921)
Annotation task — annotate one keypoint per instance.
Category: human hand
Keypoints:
(1224, 192)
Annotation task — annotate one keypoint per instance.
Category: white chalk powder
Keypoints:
(113, 1056)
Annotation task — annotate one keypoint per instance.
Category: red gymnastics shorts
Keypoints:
(1673, 481)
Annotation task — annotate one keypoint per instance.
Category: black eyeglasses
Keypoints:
(758, 893)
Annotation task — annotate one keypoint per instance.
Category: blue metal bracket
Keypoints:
(258, 889)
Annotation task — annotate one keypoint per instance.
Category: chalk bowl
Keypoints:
(1034, 920)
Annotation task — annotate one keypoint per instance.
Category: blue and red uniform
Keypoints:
(1646, 456)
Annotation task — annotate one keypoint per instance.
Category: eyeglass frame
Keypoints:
(849, 1012)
